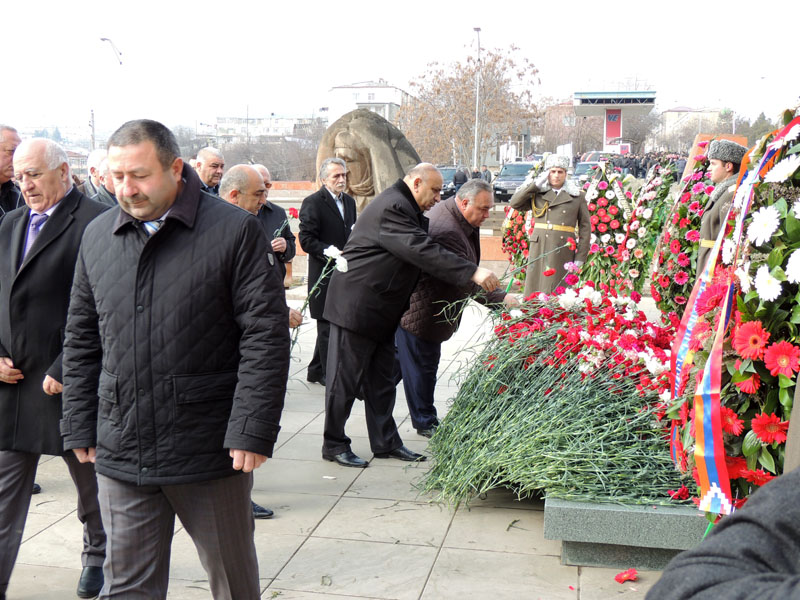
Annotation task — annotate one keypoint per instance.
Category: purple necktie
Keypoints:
(34, 227)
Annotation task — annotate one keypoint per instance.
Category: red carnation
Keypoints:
(592, 206)
(783, 358)
(750, 340)
(769, 428)
(571, 279)
(614, 224)
(549, 272)
(602, 228)
(293, 213)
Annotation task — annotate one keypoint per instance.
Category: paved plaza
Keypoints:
(346, 533)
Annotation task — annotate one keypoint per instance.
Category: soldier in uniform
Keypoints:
(725, 158)
(559, 212)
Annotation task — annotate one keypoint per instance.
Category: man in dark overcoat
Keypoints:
(38, 247)
(10, 198)
(326, 219)
(388, 250)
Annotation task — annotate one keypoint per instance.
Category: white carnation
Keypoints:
(610, 194)
(648, 213)
(630, 244)
(332, 252)
(605, 237)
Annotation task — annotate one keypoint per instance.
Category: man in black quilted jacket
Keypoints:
(175, 365)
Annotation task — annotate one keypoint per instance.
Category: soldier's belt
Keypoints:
(553, 227)
(706, 243)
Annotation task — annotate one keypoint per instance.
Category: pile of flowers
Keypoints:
(644, 227)
(609, 210)
(675, 260)
(580, 377)
(761, 348)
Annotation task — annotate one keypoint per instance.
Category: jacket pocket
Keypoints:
(202, 406)
(109, 420)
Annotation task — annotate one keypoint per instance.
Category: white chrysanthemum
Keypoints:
(767, 287)
(591, 194)
(783, 170)
(515, 313)
(745, 281)
(796, 209)
(648, 213)
(765, 223)
(728, 248)
(332, 252)
(630, 244)
(341, 264)
(610, 194)
(641, 232)
(605, 237)
(619, 238)
(793, 267)
(593, 238)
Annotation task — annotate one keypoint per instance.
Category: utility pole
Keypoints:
(477, 98)
(91, 125)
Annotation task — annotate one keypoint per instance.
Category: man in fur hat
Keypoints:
(559, 213)
(725, 158)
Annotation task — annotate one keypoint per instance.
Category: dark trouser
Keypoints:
(216, 514)
(357, 363)
(17, 472)
(319, 362)
(419, 362)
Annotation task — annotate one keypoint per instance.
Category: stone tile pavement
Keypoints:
(346, 533)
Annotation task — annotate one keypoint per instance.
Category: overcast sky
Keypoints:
(189, 62)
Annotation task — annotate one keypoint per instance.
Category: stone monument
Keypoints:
(377, 153)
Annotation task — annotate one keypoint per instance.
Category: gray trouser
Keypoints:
(17, 473)
(140, 522)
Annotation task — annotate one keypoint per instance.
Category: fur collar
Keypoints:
(721, 188)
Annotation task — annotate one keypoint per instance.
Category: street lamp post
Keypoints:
(477, 98)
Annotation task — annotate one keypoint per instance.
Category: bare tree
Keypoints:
(440, 120)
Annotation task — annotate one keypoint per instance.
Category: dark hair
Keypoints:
(736, 166)
(141, 130)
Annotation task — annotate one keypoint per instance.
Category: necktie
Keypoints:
(150, 227)
(34, 227)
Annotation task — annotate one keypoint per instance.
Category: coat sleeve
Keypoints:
(310, 228)
(752, 554)
(451, 241)
(399, 235)
(82, 362)
(522, 198)
(260, 310)
(584, 230)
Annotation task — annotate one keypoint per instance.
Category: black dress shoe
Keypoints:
(320, 379)
(37, 489)
(428, 432)
(347, 459)
(402, 453)
(259, 512)
(91, 582)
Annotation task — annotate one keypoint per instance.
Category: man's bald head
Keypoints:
(9, 140)
(265, 175)
(243, 186)
(425, 182)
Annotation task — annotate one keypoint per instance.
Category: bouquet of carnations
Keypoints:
(675, 260)
(567, 398)
(515, 242)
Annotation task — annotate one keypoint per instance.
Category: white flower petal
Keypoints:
(767, 287)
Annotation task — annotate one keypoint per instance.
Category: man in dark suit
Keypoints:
(326, 219)
(385, 255)
(10, 197)
(38, 249)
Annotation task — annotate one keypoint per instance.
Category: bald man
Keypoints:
(386, 252)
(10, 198)
(276, 225)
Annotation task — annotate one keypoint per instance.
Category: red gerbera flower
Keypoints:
(710, 298)
(769, 428)
(750, 385)
(783, 358)
(680, 300)
(693, 235)
(750, 340)
(683, 259)
(549, 272)
(731, 421)
(737, 466)
(758, 477)
(680, 278)
(675, 246)
(629, 575)
(700, 334)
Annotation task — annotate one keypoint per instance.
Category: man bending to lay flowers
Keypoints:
(558, 209)
(725, 158)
